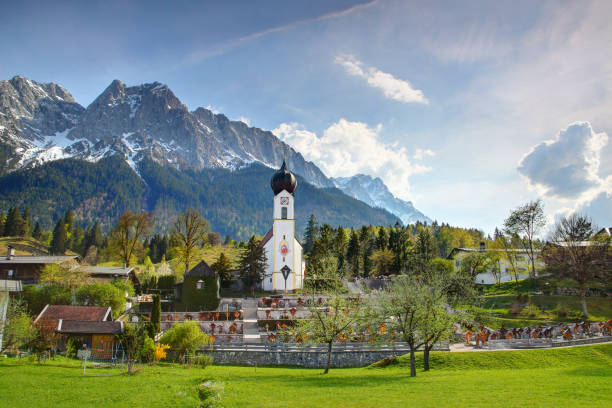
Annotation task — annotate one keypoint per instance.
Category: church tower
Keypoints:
(285, 269)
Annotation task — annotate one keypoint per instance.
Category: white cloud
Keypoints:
(348, 148)
(393, 88)
(420, 154)
(567, 166)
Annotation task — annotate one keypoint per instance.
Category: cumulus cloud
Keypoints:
(599, 209)
(420, 154)
(347, 148)
(568, 166)
(393, 88)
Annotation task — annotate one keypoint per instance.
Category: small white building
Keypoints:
(505, 270)
(285, 266)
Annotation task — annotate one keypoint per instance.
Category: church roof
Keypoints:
(202, 270)
(283, 179)
(267, 237)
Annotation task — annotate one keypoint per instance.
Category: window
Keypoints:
(200, 284)
(11, 273)
(284, 213)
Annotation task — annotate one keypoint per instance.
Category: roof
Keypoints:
(455, 250)
(267, 237)
(27, 259)
(607, 231)
(202, 270)
(10, 285)
(105, 270)
(84, 327)
(52, 314)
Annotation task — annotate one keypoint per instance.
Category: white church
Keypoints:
(285, 266)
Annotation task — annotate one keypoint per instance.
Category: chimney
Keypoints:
(10, 253)
(482, 245)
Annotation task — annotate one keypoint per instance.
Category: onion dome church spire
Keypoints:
(283, 180)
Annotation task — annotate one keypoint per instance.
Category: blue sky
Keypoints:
(468, 109)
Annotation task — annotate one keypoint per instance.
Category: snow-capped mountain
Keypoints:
(375, 193)
(42, 122)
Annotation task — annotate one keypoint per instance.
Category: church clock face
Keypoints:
(284, 200)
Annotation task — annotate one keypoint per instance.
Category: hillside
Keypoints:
(235, 202)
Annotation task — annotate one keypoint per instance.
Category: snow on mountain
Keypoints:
(42, 122)
(375, 193)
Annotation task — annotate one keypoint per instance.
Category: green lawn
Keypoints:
(572, 377)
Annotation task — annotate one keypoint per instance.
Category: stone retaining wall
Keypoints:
(309, 359)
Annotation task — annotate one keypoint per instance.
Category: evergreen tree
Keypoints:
(222, 266)
(382, 239)
(368, 250)
(69, 225)
(58, 242)
(425, 246)
(13, 226)
(78, 240)
(352, 254)
(310, 235)
(37, 233)
(156, 315)
(340, 243)
(27, 223)
(252, 264)
(2, 222)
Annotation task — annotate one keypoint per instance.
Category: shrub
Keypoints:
(185, 338)
(202, 360)
(72, 346)
(147, 351)
(531, 310)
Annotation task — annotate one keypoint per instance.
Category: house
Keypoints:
(27, 268)
(105, 274)
(199, 290)
(92, 325)
(6, 286)
(505, 268)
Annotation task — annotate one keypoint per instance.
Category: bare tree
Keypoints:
(575, 252)
(191, 230)
(126, 235)
(526, 221)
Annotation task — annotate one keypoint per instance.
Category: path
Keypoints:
(249, 317)
(462, 348)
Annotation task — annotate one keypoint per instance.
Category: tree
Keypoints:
(148, 275)
(310, 235)
(44, 340)
(191, 231)
(62, 275)
(353, 257)
(132, 338)
(382, 239)
(329, 323)
(156, 315)
(26, 229)
(382, 260)
(102, 294)
(18, 329)
(214, 238)
(58, 242)
(575, 252)
(425, 247)
(223, 266)
(185, 338)
(252, 264)
(127, 233)
(526, 221)
(477, 262)
(37, 233)
(401, 307)
(13, 226)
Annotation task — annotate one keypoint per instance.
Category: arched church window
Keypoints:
(284, 213)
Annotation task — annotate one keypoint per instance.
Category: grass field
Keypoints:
(572, 377)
